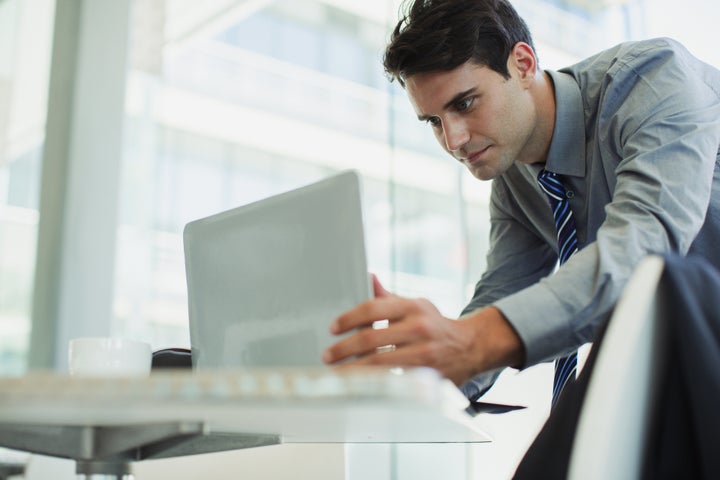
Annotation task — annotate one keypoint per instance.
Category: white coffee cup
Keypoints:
(107, 356)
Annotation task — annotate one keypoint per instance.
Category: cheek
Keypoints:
(506, 126)
(507, 114)
(492, 119)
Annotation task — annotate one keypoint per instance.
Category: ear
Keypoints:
(522, 63)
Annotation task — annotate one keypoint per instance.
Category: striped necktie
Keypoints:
(565, 368)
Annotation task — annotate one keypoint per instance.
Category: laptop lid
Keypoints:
(266, 279)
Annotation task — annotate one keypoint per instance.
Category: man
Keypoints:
(632, 136)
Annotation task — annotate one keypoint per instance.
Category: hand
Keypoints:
(421, 336)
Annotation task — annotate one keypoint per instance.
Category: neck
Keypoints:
(543, 92)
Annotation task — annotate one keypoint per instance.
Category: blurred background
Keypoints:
(122, 120)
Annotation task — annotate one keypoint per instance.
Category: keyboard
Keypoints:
(317, 404)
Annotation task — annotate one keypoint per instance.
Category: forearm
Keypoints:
(495, 343)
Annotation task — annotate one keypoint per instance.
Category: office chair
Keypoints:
(615, 416)
(645, 405)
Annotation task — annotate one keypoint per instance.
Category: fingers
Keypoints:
(370, 341)
(364, 315)
(409, 321)
(407, 357)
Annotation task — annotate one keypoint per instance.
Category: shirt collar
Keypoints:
(567, 147)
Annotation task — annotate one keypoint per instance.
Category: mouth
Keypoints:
(476, 156)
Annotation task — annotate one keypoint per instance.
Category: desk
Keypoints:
(105, 424)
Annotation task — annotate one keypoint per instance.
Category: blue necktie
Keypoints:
(550, 183)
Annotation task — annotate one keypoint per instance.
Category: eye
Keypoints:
(433, 121)
(464, 104)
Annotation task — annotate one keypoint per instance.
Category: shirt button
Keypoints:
(569, 194)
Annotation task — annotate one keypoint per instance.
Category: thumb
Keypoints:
(378, 289)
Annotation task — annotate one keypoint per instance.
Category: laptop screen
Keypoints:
(266, 279)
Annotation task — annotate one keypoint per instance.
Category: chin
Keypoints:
(483, 174)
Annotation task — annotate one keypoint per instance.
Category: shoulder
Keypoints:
(631, 55)
(655, 57)
(637, 77)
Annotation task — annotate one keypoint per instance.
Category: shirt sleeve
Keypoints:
(658, 128)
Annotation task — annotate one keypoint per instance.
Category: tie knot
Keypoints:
(551, 185)
(545, 174)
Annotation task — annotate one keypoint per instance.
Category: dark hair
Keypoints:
(443, 34)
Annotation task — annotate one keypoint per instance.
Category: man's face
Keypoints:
(482, 119)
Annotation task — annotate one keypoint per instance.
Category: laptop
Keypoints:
(266, 279)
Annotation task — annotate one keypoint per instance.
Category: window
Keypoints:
(25, 41)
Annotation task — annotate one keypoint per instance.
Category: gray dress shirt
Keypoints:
(636, 140)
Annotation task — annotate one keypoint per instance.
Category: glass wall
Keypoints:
(241, 100)
(25, 42)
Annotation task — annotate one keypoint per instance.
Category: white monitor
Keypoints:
(266, 279)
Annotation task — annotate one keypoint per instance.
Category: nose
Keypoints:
(456, 134)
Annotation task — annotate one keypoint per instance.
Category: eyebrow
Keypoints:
(450, 103)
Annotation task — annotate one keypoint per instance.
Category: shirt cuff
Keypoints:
(479, 384)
